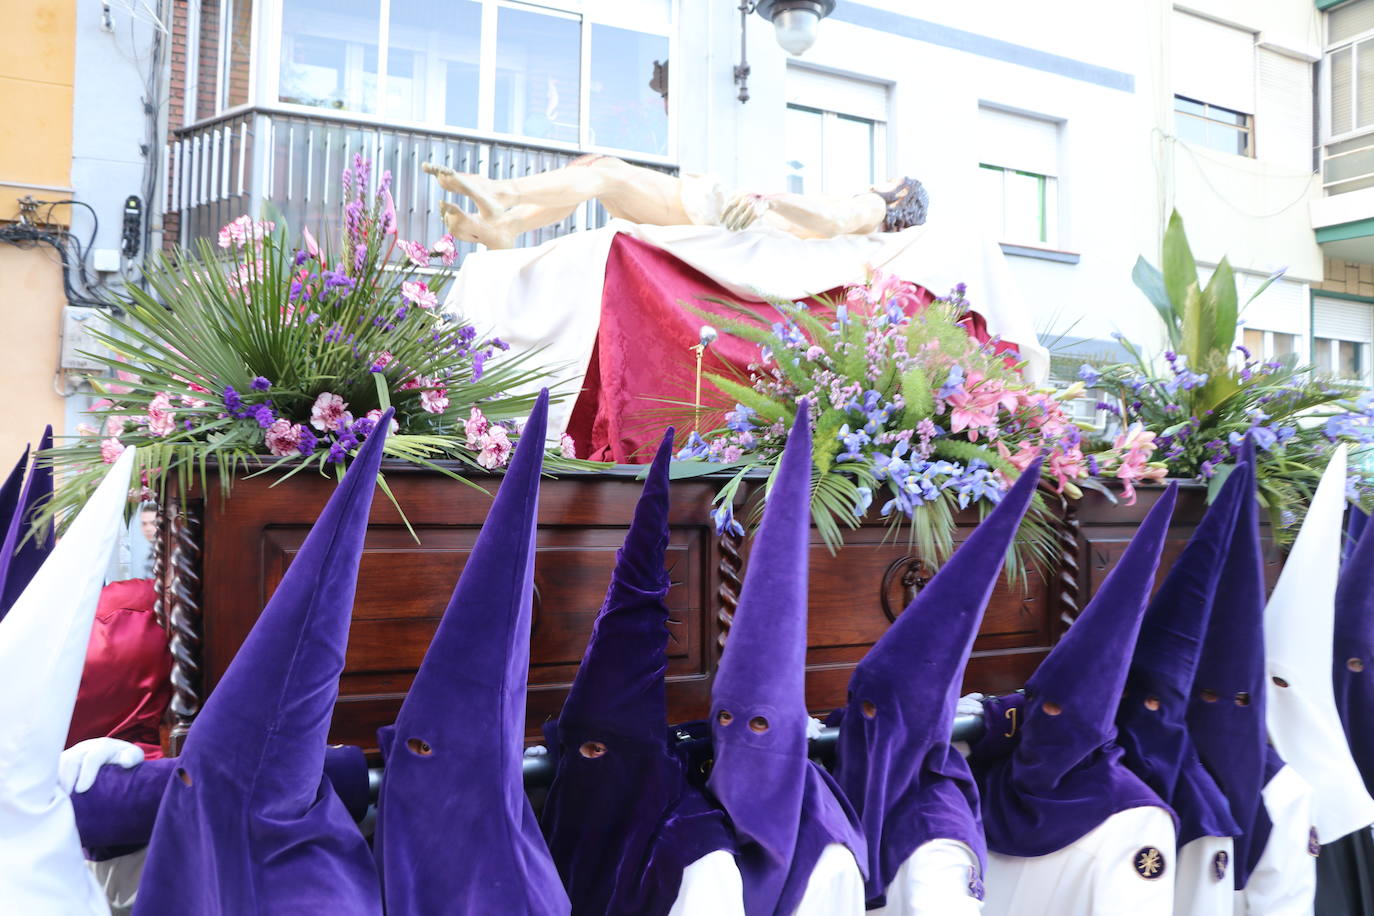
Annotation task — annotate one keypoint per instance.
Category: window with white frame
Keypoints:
(582, 73)
(1018, 169)
(1213, 74)
(836, 133)
(1350, 68)
(1342, 337)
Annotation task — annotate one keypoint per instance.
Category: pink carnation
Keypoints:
(240, 231)
(419, 293)
(110, 450)
(418, 254)
(330, 412)
(160, 415)
(566, 447)
(375, 415)
(476, 426)
(434, 400)
(496, 448)
(283, 437)
(445, 249)
(114, 424)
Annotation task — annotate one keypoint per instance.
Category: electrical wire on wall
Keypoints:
(30, 231)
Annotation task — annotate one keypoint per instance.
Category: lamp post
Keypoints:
(795, 23)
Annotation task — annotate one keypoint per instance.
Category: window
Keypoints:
(1284, 111)
(222, 36)
(1350, 67)
(1343, 333)
(329, 54)
(836, 133)
(433, 61)
(1213, 76)
(1018, 169)
(1213, 126)
(591, 75)
(1265, 345)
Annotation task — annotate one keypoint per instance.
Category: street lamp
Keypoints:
(795, 23)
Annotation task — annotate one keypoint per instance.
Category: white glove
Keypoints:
(80, 764)
(813, 727)
(971, 705)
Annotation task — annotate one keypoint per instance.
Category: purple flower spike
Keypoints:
(260, 384)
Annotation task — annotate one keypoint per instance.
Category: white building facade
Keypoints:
(1068, 131)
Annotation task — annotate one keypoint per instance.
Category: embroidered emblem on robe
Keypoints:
(1219, 863)
(1149, 863)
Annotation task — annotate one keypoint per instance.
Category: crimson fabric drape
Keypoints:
(643, 358)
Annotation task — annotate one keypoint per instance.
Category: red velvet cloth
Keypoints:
(643, 357)
(124, 687)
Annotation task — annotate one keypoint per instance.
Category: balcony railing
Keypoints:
(288, 166)
(1348, 165)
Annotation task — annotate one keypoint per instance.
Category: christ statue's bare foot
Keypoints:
(487, 195)
(471, 228)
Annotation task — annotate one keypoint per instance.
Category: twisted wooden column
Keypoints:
(731, 569)
(1067, 530)
(184, 617)
(160, 568)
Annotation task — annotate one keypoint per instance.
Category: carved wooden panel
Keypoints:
(222, 570)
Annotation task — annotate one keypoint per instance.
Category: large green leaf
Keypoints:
(1150, 281)
(1179, 268)
(1221, 290)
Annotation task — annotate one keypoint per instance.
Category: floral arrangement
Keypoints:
(1207, 394)
(912, 417)
(258, 347)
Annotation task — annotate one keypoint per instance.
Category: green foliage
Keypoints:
(1211, 392)
(210, 322)
(841, 357)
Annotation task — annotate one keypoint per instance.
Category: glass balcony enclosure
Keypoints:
(284, 92)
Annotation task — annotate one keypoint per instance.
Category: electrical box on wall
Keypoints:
(77, 339)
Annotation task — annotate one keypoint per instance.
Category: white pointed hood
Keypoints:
(1299, 624)
(42, 651)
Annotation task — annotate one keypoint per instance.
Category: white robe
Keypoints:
(934, 881)
(1097, 875)
(1299, 626)
(42, 653)
(1204, 882)
(836, 886)
(1284, 881)
(711, 886)
(549, 297)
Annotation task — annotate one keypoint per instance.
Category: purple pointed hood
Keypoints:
(620, 819)
(455, 832)
(1353, 658)
(894, 759)
(1356, 520)
(248, 810)
(1152, 721)
(1065, 776)
(1226, 706)
(9, 491)
(785, 810)
(21, 555)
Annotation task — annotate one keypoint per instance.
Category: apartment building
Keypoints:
(1066, 131)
